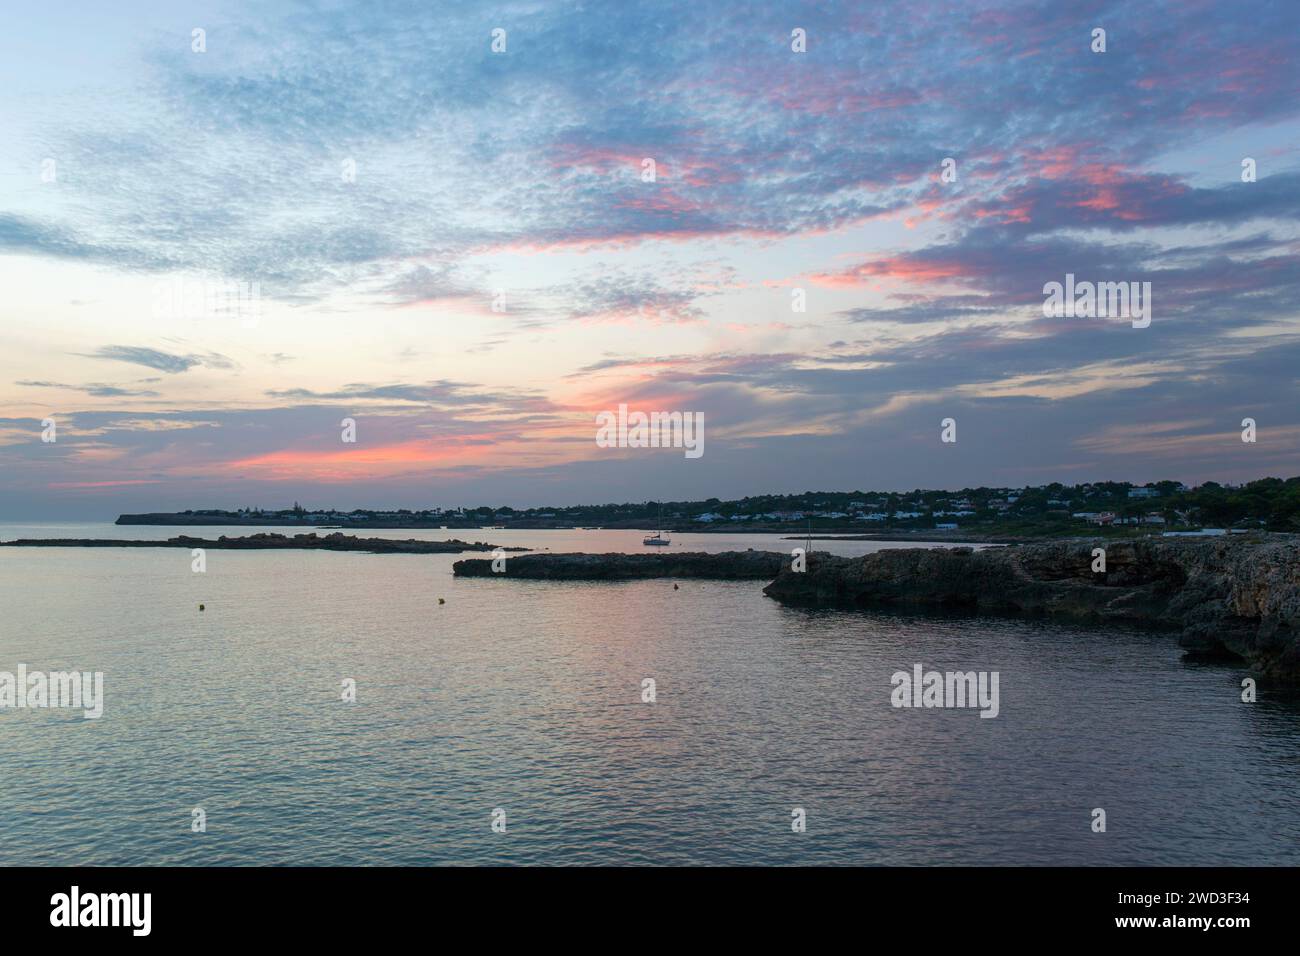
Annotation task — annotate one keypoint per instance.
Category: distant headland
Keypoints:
(1106, 508)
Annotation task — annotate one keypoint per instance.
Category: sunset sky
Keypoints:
(130, 165)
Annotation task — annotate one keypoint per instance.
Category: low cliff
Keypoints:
(1226, 596)
(729, 565)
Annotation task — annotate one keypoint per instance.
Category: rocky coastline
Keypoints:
(1226, 597)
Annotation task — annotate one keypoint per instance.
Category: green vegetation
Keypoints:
(1098, 507)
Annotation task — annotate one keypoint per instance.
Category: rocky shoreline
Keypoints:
(298, 542)
(727, 566)
(1235, 597)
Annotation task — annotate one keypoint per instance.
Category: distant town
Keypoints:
(1271, 504)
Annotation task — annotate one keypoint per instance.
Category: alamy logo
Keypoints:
(36, 689)
(1092, 300)
(922, 688)
(103, 909)
(208, 299)
(653, 430)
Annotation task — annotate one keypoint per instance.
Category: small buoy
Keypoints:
(442, 600)
(201, 607)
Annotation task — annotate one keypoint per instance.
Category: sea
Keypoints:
(359, 709)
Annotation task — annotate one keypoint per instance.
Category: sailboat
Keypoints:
(658, 538)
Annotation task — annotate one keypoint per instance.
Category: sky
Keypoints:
(216, 246)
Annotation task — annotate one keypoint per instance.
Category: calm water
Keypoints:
(526, 696)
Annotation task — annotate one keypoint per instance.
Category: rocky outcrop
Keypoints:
(1226, 596)
(298, 542)
(729, 565)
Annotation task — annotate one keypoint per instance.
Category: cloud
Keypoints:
(161, 361)
(524, 171)
(544, 146)
(96, 389)
(440, 393)
(619, 296)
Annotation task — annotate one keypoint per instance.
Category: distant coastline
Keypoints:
(1109, 509)
(843, 532)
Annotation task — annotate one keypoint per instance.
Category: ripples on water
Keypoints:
(526, 696)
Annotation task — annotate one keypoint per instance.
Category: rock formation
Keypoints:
(299, 542)
(1226, 596)
(730, 565)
